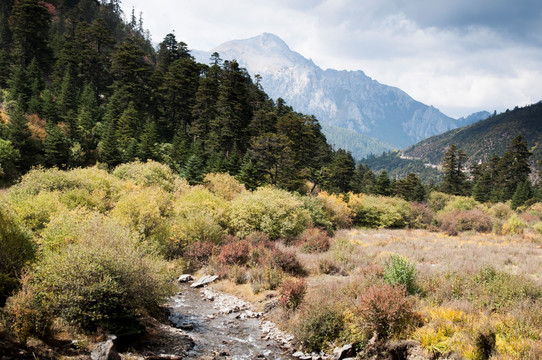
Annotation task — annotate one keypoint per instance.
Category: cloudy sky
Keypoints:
(461, 56)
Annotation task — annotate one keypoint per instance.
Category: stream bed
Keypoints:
(223, 326)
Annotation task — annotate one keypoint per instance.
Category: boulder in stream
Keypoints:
(204, 280)
(184, 278)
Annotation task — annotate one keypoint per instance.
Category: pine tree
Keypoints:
(249, 174)
(233, 161)
(482, 188)
(29, 23)
(35, 78)
(56, 147)
(524, 192)
(108, 148)
(454, 180)
(22, 140)
(193, 170)
(18, 87)
(128, 125)
(383, 184)
(410, 188)
(67, 96)
(513, 168)
(149, 141)
(338, 174)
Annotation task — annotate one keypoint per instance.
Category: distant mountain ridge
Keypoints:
(486, 138)
(341, 99)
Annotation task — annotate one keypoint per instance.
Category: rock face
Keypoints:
(105, 351)
(343, 99)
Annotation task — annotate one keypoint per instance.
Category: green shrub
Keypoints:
(501, 211)
(499, 290)
(538, 227)
(104, 280)
(319, 326)
(143, 209)
(63, 229)
(265, 277)
(438, 201)
(399, 271)
(36, 211)
(319, 217)
(514, 226)
(272, 211)
(192, 227)
(197, 200)
(147, 174)
(379, 211)
(461, 203)
(16, 250)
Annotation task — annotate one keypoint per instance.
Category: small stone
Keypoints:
(298, 354)
(187, 327)
(184, 278)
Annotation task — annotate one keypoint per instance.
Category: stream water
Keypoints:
(222, 326)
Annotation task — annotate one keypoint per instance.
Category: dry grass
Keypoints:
(438, 253)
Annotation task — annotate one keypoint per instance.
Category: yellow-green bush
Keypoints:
(195, 225)
(437, 200)
(275, 212)
(16, 250)
(336, 209)
(144, 209)
(35, 211)
(379, 211)
(103, 280)
(514, 226)
(147, 174)
(461, 203)
(198, 199)
(223, 185)
(501, 211)
(535, 209)
(64, 229)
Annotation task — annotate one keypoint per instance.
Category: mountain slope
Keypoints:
(486, 138)
(343, 99)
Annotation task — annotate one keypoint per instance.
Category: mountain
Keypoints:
(486, 138)
(340, 99)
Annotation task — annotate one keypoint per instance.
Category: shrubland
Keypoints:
(91, 250)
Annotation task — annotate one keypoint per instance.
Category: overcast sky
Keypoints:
(461, 56)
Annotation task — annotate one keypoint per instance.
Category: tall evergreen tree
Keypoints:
(338, 174)
(29, 23)
(56, 147)
(524, 192)
(149, 141)
(454, 179)
(513, 168)
(383, 184)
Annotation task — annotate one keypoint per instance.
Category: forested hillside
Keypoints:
(81, 86)
(486, 138)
